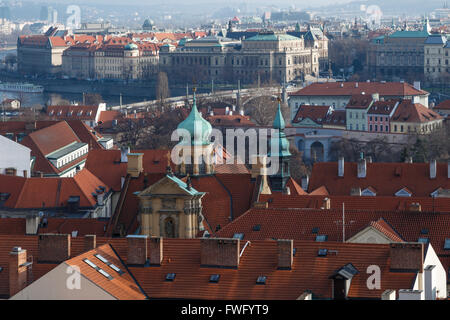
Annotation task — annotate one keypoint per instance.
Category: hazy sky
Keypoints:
(221, 3)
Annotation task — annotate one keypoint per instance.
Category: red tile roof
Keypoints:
(414, 112)
(315, 113)
(52, 138)
(309, 272)
(121, 286)
(106, 165)
(49, 192)
(444, 105)
(182, 256)
(350, 88)
(386, 178)
(291, 223)
(383, 107)
(72, 112)
(359, 101)
(384, 227)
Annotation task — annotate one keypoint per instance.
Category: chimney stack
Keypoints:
(430, 292)
(90, 242)
(407, 256)
(415, 207)
(305, 183)
(362, 168)
(409, 294)
(448, 169)
(341, 164)
(124, 151)
(285, 254)
(135, 166)
(433, 169)
(376, 97)
(53, 248)
(156, 250)
(388, 295)
(17, 270)
(137, 249)
(31, 224)
(219, 252)
(326, 203)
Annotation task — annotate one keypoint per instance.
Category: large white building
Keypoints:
(14, 158)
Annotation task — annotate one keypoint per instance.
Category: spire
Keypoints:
(279, 123)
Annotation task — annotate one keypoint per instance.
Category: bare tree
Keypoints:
(93, 99)
(162, 88)
(263, 110)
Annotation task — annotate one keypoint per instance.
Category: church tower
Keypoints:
(195, 148)
(279, 180)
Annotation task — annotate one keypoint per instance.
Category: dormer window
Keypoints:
(80, 113)
(403, 193)
(369, 192)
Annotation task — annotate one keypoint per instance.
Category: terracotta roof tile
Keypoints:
(350, 88)
(386, 178)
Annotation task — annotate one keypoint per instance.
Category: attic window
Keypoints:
(315, 230)
(423, 240)
(170, 276)
(101, 271)
(105, 274)
(239, 236)
(214, 278)
(403, 193)
(261, 280)
(322, 252)
(368, 192)
(424, 231)
(1, 268)
(321, 238)
(294, 251)
(257, 227)
(447, 244)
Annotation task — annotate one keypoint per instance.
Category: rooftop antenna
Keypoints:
(343, 222)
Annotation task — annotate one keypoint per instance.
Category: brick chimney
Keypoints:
(124, 151)
(433, 169)
(156, 250)
(31, 224)
(219, 252)
(407, 256)
(388, 295)
(415, 207)
(341, 164)
(326, 203)
(137, 249)
(135, 166)
(305, 182)
(362, 168)
(430, 292)
(90, 242)
(448, 169)
(17, 270)
(53, 248)
(285, 254)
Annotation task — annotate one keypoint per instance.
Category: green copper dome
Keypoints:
(283, 143)
(198, 128)
(131, 46)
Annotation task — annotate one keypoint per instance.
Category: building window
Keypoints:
(370, 128)
(395, 128)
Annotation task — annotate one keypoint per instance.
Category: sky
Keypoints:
(297, 3)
